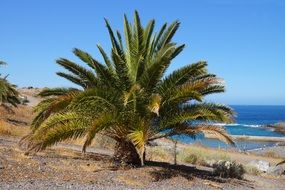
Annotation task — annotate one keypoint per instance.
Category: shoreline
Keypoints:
(258, 138)
(251, 138)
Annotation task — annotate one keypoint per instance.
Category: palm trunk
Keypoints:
(126, 154)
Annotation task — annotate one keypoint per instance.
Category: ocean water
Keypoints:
(250, 120)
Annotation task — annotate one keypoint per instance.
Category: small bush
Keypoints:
(158, 154)
(7, 129)
(252, 170)
(228, 169)
(191, 159)
(200, 156)
(270, 154)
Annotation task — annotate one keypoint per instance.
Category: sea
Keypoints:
(250, 120)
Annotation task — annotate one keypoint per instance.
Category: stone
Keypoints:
(275, 170)
(260, 165)
(210, 163)
(1, 165)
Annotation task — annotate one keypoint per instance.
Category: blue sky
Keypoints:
(243, 41)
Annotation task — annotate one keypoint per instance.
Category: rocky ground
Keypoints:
(65, 167)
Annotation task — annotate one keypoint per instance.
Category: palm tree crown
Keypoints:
(128, 97)
(8, 92)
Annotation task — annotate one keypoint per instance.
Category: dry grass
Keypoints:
(251, 170)
(158, 154)
(7, 129)
(22, 114)
(270, 154)
(199, 155)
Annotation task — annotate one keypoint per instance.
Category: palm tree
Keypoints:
(128, 97)
(8, 92)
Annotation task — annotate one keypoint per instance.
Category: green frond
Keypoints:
(119, 36)
(138, 33)
(128, 37)
(114, 41)
(167, 35)
(148, 32)
(56, 91)
(8, 93)
(209, 131)
(122, 72)
(139, 136)
(212, 90)
(153, 74)
(158, 37)
(181, 76)
(102, 122)
(58, 128)
(127, 95)
(106, 59)
(101, 70)
(77, 70)
(202, 112)
(75, 79)
(51, 106)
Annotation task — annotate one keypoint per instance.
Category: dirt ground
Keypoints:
(65, 167)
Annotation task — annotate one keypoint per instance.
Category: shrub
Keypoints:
(227, 169)
(158, 154)
(191, 159)
(7, 129)
(270, 154)
(200, 156)
(4, 130)
(252, 170)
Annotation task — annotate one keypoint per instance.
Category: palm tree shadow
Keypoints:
(55, 154)
(169, 171)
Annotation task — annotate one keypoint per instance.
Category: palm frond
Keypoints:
(280, 163)
(181, 76)
(75, 79)
(106, 59)
(56, 91)
(209, 131)
(139, 136)
(101, 70)
(102, 122)
(58, 128)
(167, 35)
(51, 106)
(77, 70)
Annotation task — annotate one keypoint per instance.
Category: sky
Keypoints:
(243, 41)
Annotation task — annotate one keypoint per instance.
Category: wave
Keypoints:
(237, 124)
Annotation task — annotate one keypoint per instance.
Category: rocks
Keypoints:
(152, 143)
(275, 170)
(260, 165)
(278, 127)
(210, 163)
(1, 165)
(264, 166)
(227, 169)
